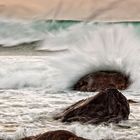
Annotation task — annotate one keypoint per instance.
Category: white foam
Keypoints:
(29, 112)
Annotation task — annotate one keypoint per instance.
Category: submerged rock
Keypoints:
(101, 80)
(109, 105)
(55, 135)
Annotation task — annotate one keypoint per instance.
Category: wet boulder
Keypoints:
(101, 80)
(55, 135)
(108, 106)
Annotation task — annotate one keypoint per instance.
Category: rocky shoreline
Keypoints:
(108, 106)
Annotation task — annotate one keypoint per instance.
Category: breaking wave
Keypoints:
(84, 48)
(92, 47)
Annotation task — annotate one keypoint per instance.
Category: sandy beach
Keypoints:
(97, 10)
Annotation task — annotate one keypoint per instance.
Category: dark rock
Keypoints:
(55, 135)
(101, 80)
(109, 105)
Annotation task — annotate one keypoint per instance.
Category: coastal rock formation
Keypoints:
(55, 135)
(101, 80)
(108, 106)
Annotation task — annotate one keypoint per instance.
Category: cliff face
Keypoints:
(99, 10)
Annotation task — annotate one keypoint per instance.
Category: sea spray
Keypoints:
(92, 47)
(88, 47)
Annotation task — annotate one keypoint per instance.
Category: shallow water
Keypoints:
(27, 111)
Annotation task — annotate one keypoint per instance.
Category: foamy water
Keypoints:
(29, 112)
(34, 88)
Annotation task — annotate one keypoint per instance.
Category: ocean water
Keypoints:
(41, 60)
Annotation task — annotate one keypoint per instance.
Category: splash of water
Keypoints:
(88, 48)
(92, 47)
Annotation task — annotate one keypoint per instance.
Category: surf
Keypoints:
(77, 50)
(94, 47)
